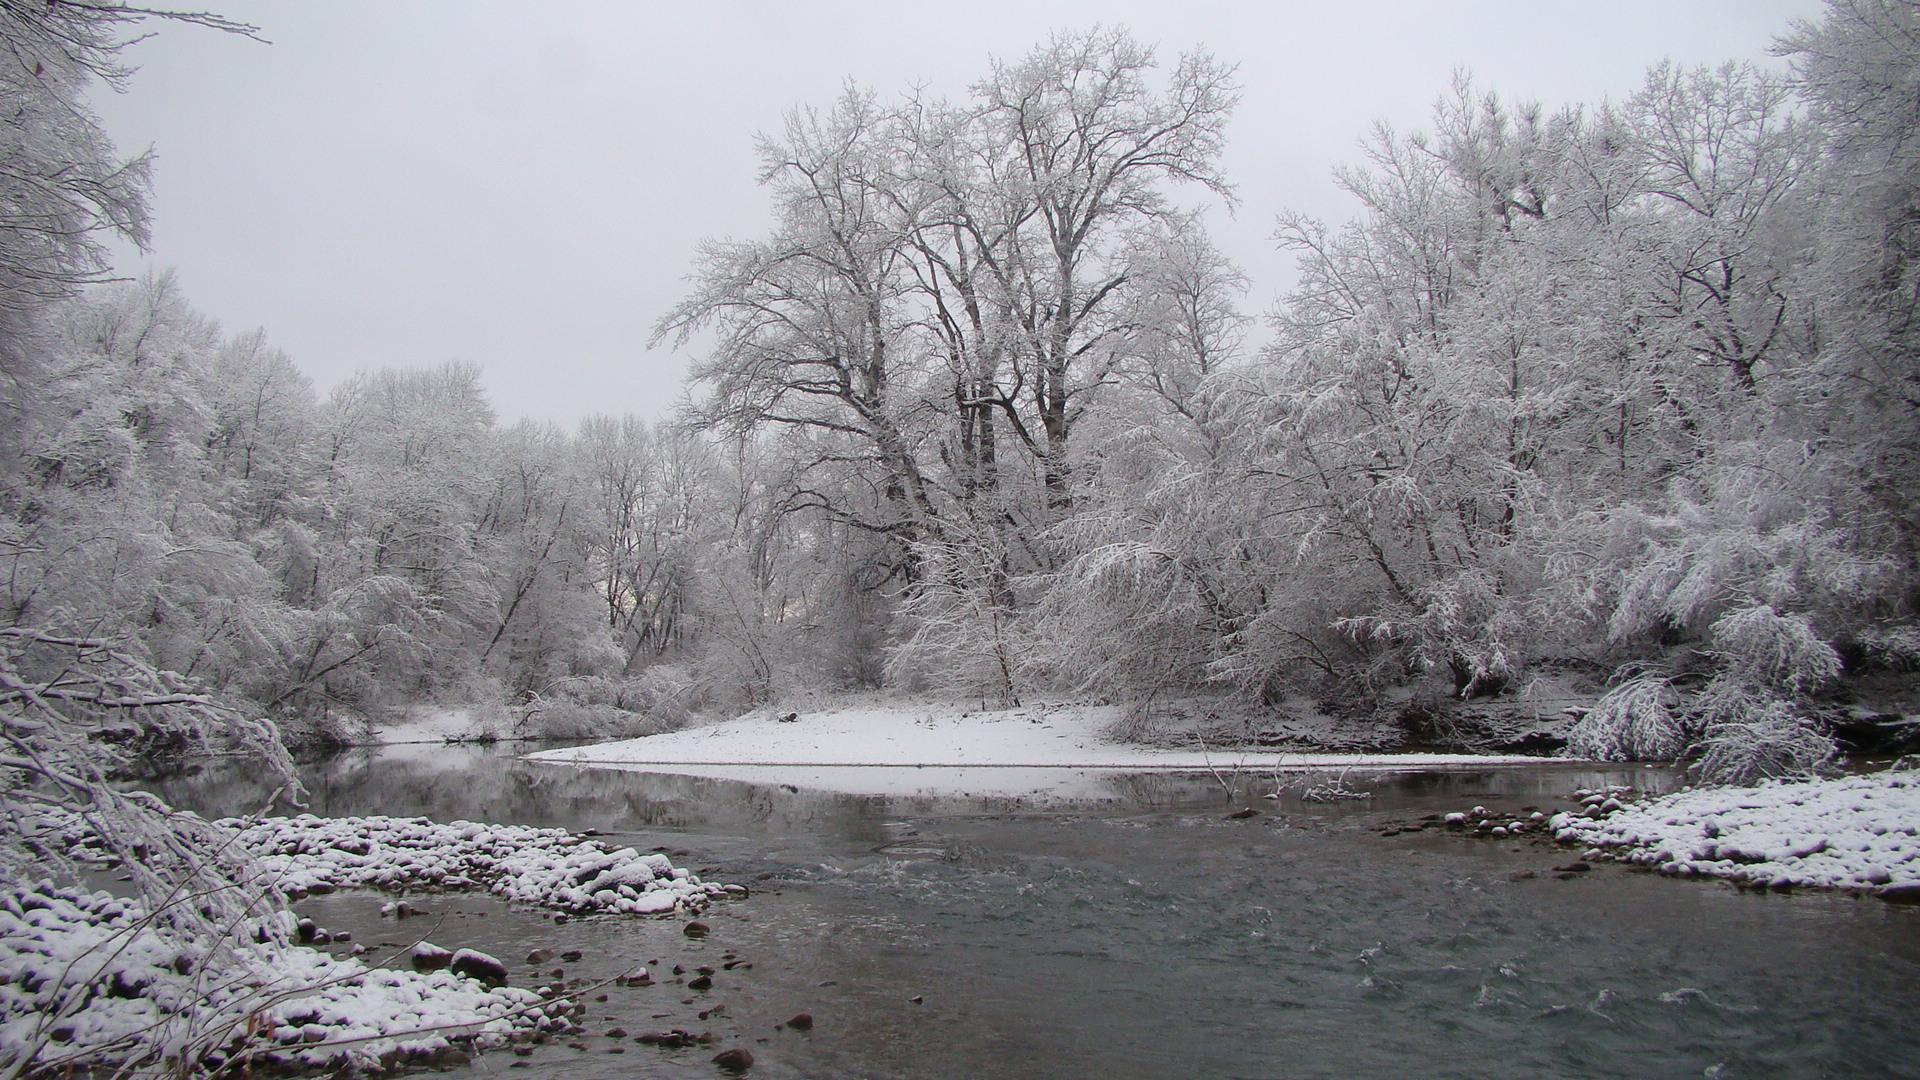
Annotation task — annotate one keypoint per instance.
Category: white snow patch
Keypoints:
(434, 724)
(1854, 832)
(85, 979)
(548, 867)
(1043, 750)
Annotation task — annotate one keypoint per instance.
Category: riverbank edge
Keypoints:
(1858, 833)
(930, 735)
(88, 979)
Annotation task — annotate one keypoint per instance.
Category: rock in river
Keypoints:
(478, 965)
(427, 956)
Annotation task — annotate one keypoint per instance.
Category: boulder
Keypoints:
(478, 965)
(426, 956)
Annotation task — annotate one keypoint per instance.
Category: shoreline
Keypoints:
(948, 748)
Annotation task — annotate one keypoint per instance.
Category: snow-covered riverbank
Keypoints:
(88, 978)
(934, 749)
(1854, 832)
(547, 867)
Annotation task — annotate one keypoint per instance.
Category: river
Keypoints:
(1144, 934)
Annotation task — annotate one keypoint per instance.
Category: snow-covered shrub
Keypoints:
(1125, 619)
(1751, 716)
(75, 714)
(1895, 647)
(1635, 721)
(961, 633)
(1748, 737)
(661, 698)
(1762, 648)
(1753, 527)
(670, 694)
(1464, 626)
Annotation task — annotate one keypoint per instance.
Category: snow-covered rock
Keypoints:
(548, 867)
(87, 978)
(474, 964)
(1854, 832)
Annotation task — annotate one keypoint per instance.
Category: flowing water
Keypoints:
(1146, 935)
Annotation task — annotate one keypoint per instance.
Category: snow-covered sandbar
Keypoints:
(923, 749)
(1850, 832)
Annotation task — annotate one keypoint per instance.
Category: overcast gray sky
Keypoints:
(523, 185)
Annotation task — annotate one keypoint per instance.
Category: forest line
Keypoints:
(1622, 394)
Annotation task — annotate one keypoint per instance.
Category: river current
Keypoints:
(1144, 933)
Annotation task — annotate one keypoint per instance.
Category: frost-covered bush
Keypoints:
(1760, 647)
(959, 628)
(661, 698)
(1895, 647)
(1635, 721)
(1463, 625)
(1752, 716)
(1754, 527)
(1749, 737)
(1749, 721)
(1126, 619)
(668, 694)
(76, 714)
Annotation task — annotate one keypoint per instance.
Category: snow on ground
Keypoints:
(85, 978)
(549, 867)
(1033, 785)
(1854, 832)
(922, 749)
(432, 724)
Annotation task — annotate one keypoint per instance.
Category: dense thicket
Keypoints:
(1627, 390)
